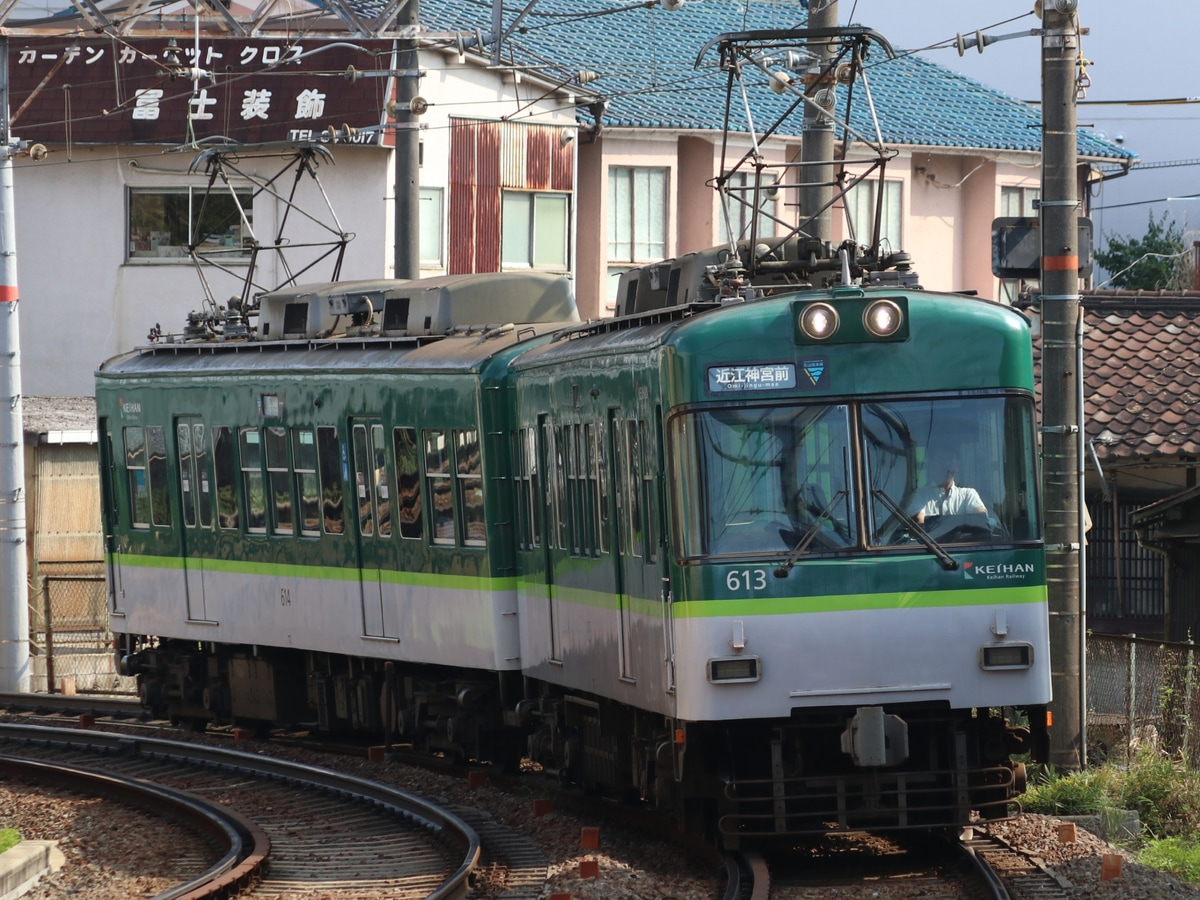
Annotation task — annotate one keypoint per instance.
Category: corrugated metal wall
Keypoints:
(487, 158)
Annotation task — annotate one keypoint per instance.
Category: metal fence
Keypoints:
(70, 643)
(1141, 693)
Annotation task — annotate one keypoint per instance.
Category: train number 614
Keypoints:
(746, 579)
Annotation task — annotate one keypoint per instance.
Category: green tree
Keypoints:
(1148, 263)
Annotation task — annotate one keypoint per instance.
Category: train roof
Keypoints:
(465, 351)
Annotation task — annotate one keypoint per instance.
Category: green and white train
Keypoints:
(677, 553)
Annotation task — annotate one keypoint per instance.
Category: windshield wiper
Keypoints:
(807, 538)
(948, 562)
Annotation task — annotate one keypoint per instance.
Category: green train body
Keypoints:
(676, 553)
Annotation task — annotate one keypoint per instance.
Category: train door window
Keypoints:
(187, 474)
(304, 464)
(535, 496)
(571, 475)
(632, 477)
(362, 489)
(329, 458)
(520, 468)
(437, 477)
(649, 504)
(379, 481)
(156, 459)
(225, 463)
(601, 463)
(469, 465)
(408, 481)
(139, 485)
(558, 487)
(589, 489)
(204, 495)
(253, 487)
(279, 477)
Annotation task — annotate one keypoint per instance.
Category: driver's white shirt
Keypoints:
(934, 500)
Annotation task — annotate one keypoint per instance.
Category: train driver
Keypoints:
(941, 496)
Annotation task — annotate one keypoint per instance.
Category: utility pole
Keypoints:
(816, 135)
(14, 590)
(1060, 302)
(407, 218)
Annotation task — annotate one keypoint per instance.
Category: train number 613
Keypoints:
(746, 579)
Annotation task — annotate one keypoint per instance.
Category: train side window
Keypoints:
(437, 475)
(204, 496)
(329, 457)
(557, 485)
(520, 488)
(225, 463)
(160, 495)
(253, 487)
(408, 481)
(308, 492)
(187, 484)
(139, 486)
(282, 516)
(571, 474)
(524, 462)
(469, 464)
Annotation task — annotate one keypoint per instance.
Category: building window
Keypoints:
(739, 201)
(430, 226)
(163, 223)
(534, 228)
(1014, 202)
(637, 219)
(860, 212)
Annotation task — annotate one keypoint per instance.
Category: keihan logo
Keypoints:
(967, 573)
(997, 571)
(814, 369)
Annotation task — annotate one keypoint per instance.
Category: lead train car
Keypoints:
(675, 554)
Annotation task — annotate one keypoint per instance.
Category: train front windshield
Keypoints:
(839, 478)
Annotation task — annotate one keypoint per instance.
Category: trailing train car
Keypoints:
(771, 559)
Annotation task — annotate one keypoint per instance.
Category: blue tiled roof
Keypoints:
(645, 57)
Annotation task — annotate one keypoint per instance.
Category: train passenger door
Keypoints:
(550, 459)
(196, 501)
(372, 498)
(625, 458)
(109, 517)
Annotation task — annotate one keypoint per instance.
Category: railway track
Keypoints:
(289, 829)
(978, 867)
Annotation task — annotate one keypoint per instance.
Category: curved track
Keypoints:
(329, 834)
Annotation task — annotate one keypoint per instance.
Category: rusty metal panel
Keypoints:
(513, 155)
(540, 143)
(562, 166)
(487, 196)
(460, 214)
(67, 529)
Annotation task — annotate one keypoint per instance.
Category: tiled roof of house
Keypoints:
(645, 58)
(1141, 352)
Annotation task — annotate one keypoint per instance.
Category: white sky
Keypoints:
(1143, 50)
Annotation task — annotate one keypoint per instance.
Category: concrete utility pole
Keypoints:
(816, 135)
(407, 219)
(14, 590)
(1059, 222)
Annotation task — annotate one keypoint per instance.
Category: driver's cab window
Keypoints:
(960, 470)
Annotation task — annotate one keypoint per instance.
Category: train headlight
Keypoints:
(819, 321)
(734, 669)
(883, 318)
(994, 657)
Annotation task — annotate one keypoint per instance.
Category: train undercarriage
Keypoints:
(736, 782)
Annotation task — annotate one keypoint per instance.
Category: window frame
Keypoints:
(535, 231)
(167, 244)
